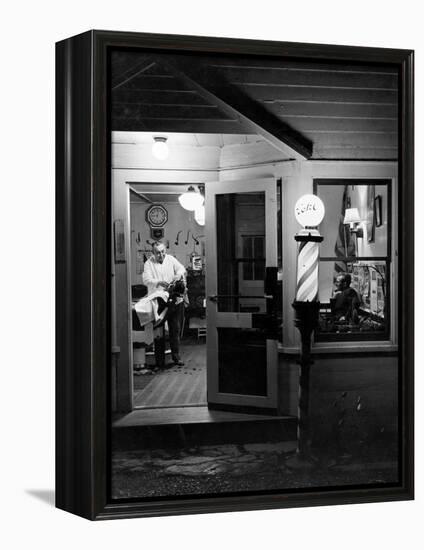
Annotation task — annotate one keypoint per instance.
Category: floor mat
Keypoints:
(175, 385)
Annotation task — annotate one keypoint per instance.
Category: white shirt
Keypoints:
(167, 271)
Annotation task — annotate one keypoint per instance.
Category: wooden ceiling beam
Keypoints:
(169, 112)
(158, 97)
(135, 70)
(324, 124)
(325, 79)
(284, 64)
(253, 116)
(194, 126)
(331, 109)
(275, 94)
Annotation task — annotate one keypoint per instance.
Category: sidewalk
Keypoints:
(233, 468)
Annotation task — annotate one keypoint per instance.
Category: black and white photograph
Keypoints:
(254, 277)
(211, 237)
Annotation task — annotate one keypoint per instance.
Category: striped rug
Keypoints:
(177, 386)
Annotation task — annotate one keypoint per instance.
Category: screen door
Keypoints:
(241, 282)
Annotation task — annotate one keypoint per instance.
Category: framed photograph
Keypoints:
(119, 234)
(262, 355)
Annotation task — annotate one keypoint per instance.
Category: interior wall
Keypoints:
(139, 156)
(180, 222)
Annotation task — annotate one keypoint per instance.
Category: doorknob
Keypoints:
(213, 298)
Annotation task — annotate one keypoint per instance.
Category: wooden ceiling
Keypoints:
(307, 109)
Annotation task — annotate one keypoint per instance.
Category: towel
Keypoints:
(147, 307)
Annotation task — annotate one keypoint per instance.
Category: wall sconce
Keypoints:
(191, 199)
(353, 220)
(160, 149)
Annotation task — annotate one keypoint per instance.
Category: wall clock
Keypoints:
(156, 215)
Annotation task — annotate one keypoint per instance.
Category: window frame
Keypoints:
(386, 336)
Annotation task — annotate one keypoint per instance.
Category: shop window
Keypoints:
(354, 277)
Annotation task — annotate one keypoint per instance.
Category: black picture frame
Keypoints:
(378, 206)
(84, 256)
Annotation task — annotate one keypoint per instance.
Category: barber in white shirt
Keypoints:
(159, 272)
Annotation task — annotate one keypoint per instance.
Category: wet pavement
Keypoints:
(217, 469)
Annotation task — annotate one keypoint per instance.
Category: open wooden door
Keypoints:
(241, 286)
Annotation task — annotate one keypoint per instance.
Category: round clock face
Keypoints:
(157, 215)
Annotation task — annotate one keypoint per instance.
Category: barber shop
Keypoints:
(254, 234)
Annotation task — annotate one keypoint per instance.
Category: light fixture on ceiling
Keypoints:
(160, 148)
(191, 199)
(199, 215)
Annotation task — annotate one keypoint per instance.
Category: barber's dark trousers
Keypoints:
(174, 320)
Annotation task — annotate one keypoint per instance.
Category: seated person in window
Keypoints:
(346, 302)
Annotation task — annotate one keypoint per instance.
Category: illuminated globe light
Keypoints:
(199, 215)
(309, 211)
(191, 199)
(160, 148)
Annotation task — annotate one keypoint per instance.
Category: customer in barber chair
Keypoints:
(346, 302)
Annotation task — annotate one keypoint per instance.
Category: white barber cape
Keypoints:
(147, 307)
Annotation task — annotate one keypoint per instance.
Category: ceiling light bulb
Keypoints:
(191, 199)
(160, 148)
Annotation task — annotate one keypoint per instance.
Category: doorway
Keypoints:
(229, 331)
(184, 239)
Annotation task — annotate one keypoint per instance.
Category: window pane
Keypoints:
(242, 361)
(240, 219)
(354, 299)
(259, 270)
(369, 204)
(247, 246)
(258, 251)
(247, 271)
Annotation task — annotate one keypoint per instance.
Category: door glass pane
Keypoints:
(241, 252)
(242, 360)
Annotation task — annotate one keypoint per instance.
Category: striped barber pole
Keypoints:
(307, 268)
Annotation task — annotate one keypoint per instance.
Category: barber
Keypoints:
(160, 271)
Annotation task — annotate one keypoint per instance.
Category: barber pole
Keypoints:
(309, 212)
(307, 266)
